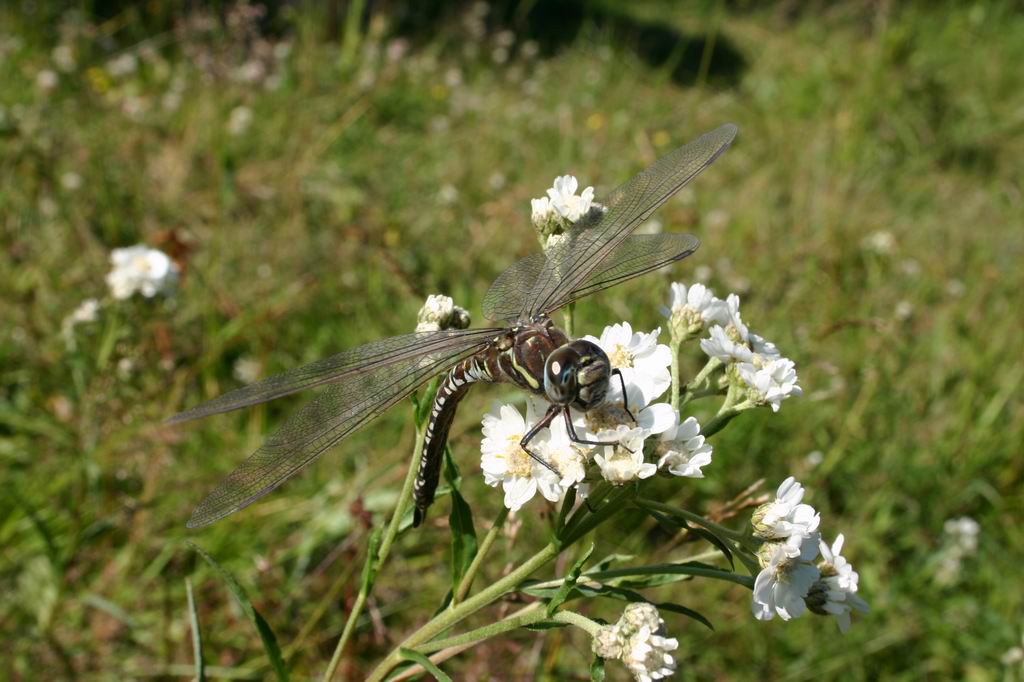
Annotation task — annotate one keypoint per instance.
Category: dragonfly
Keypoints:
(529, 350)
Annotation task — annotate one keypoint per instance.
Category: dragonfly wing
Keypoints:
(635, 256)
(366, 358)
(338, 411)
(572, 261)
(509, 293)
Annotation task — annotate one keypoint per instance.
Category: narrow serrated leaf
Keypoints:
(197, 637)
(460, 523)
(704, 532)
(267, 636)
(569, 582)
(425, 663)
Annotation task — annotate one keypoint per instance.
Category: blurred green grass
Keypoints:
(375, 172)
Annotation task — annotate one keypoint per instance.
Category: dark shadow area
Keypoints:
(555, 24)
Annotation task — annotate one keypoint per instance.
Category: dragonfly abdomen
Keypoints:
(452, 389)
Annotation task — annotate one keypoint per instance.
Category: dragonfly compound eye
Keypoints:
(560, 375)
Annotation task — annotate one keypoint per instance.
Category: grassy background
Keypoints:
(398, 161)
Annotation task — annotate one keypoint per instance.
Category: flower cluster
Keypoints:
(789, 583)
(561, 207)
(141, 269)
(753, 363)
(639, 641)
(637, 436)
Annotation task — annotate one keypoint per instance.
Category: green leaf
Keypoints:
(677, 521)
(597, 669)
(428, 665)
(270, 645)
(569, 582)
(460, 522)
(197, 637)
(422, 402)
(563, 512)
(613, 592)
(370, 566)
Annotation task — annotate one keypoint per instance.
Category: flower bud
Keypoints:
(440, 312)
(608, 642)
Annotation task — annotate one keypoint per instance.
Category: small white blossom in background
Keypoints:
(505, 462)
(71, 181)
(785, 580)
(682, 451)
(87, 312)
(239, 120)
(786, 518)
(772, 383)
(448, 194)
(141, 269)
(63, 58)
(639, 641)
(903, 310)
(691, 309)
(835, 592)
(881, 242)
(47, 80)
(247, 369)
(961, 542)
(440, 312)
(642, 360)
(122, 65)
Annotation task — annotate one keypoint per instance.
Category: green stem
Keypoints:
(595, 519)
(691, 517)
(673, 346)
(689, 392)
(526, 616)
(478, 560)
(570, 319)
(450, 617)
(385, 547)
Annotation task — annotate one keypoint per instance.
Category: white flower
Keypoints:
(834, 592)
(239, 120)
(565, 201)
(641, 359)
(763, 348)
(722, 346)
(604, 421)
(691, 308)
(963, 532)
(784, 580)
(440, 312)
(727, 314)
(142, 269)
(786, 518)
(624, 461)
(562, 206)
(772, 383)
(122, 65)
(64, 57)
(682, 451)
(504, 461)
(86, 312)
(568, 458)
(47, 80)
(881, 242)
(639, 641)
(647, 655)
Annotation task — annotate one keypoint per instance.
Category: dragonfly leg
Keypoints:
(576, 439)
(544, 421)
(625, 398)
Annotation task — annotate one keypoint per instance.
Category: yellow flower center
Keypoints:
(607, 416)
(621, 357)
(518, 461)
